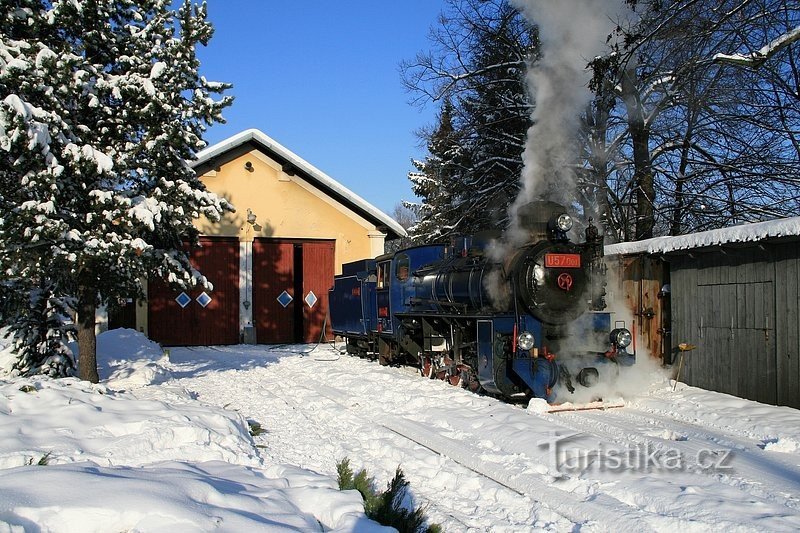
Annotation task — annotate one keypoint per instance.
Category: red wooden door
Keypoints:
(274, 300)
(318, 270)
(199, 317)
(291, 279)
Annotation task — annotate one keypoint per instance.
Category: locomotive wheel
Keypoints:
(471, 381)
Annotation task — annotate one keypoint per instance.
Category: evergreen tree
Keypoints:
(435, 181)
(38, 322)
(477, 69)
(101, 104)
(498, 114)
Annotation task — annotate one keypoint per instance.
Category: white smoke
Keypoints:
(619, 382)
(571, 33)
(615, 381)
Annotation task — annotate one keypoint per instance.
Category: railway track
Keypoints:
(602, 509)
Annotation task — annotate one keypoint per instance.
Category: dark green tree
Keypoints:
(40, 329)
(477, 68)
(101, 104)
(436, 183)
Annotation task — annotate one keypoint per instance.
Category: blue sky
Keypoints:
(322, 78)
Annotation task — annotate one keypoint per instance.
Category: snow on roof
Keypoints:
(270, 144)
(784, 227)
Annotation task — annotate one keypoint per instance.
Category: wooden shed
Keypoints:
(734, 293)
(273, 260)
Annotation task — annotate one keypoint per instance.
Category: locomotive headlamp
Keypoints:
(525, 340)
(621, 337)
(538, 274)
(564, 222)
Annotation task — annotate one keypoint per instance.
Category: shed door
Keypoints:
(318, 270)
(291, 280)
(199, 317)
(736, 348)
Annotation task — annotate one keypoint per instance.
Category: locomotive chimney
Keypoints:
(535, 216)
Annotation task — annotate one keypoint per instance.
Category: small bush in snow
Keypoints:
(385, 507)
(44, 461)
(255, 428)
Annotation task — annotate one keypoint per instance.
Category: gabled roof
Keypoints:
(294, 164)
(759, 231)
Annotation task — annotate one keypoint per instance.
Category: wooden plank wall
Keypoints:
(639, 282)
(740, 308)
(787, 339)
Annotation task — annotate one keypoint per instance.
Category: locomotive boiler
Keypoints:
(529, 323)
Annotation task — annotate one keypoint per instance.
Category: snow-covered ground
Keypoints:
(162, 444)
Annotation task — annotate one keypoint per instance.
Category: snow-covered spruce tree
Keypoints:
(435, 183)
(101, 103)
(476, 67)
(39, 329)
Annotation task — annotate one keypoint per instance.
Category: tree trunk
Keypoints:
(643, 172)
(87, 340)
(678, 212)
(597, 124)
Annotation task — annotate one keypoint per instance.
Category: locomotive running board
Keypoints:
(598, 405)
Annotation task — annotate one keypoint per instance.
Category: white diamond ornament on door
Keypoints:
(204, 299)
(311, 299)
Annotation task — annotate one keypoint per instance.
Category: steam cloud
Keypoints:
(615, 381)
(571, 32)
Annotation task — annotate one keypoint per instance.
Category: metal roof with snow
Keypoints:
(293, 163)
(755, 232)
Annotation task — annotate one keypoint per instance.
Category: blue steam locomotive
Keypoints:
(529, 325)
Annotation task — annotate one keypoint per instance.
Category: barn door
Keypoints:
(274, 293)
(736, 352)
(291, 280)
(199, 317)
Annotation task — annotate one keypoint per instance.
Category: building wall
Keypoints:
(739, 307)
(787, 324)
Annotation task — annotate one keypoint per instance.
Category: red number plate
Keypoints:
(562, 260)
